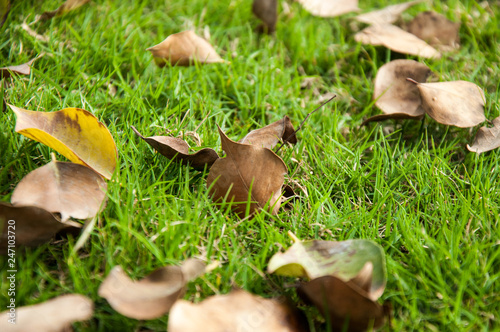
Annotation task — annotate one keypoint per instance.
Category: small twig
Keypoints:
(411, 80)
(300, 127)
(293, 236)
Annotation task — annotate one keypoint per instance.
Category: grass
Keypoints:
(411, 187)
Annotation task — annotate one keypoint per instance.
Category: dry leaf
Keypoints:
(247, 172)
(73, 132)
(456, 103)
(486, 138)
(272, 134)
(70, 189)
(394, 94)
(4, 11)
(237, 311)
(31, 225)
(184, 49)
(344, 259)
(387, 15)
(153, 296)
(343, 303)
(267, 11)
(24, 69)
(435, 29)
(396, 39)
(66, 7)
(329, 8)
(178, 150)
(54, 315)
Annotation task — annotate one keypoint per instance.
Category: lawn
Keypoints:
(410, 186)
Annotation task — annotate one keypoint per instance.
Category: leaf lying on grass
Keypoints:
(237, 311)
(267, 11)
(248, 172)
(33, 226)
(178, 150)
(272, 134)
(184, 49)
(486, 138)
(435, 29)
(66, 7)
(70, 189)
(394, 94)
(153, 296)
(23, 69)
(73, 132)
(387, 15)
(54, 315)
(329, 8)
(456, 103)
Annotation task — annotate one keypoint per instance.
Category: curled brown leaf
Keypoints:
(272, 134)
(267, 11)
(329, 8)
(387, 15)
(486, 138)
(435, 29)
(23, 69)
(66, 7)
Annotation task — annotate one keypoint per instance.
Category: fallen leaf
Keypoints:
(345, 306)
(31, 225)
(248, 172)
(272, 134)
(73, 132)
(66, 7)
(153, 296)
(54, 315)
(435, 29)
(456, 103)
(396, 39)
(178, 150)
(344, 260)
(486, 138)
(184, 49)
(237, 311)
(267, 11)
(394, 94)
(24, 69)
(73, 190)
(387, 15)
(4, 11)
(329, 8)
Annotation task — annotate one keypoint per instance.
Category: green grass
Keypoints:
(411, 187)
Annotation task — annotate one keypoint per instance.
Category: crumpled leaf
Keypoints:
(4, 11)
(394, 94)
(32, 226)
(73, 190)
(272, 134)
(329, 8)
(184, 49)
(247, 171)
(486, 138)
(343, 303)
(152, 296)
(267, 11)
(456, 103)
(66, 7)
(344, 259)
(435, 29)
(387, 15)
(178, 150)
(73, 132)
(54, 315)
(396, 39)
(236, 311)
(23, 69)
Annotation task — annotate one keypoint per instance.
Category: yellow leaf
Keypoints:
(73, 132)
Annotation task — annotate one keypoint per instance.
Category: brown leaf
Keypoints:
(486, 138)
(396, 39)
(4, 11)
(272, 134)
(267, 11)
(24, 69)
(387, 15)
(66, 7)
(435, 29)
(456, 103)
(153, 296)
(329, 8)
(343, 303)
(54, 315)
(178, 150)
(184, 49)
(237, 311)
(247, 171)
(70, 189)
(32, 226)
(394, 94)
